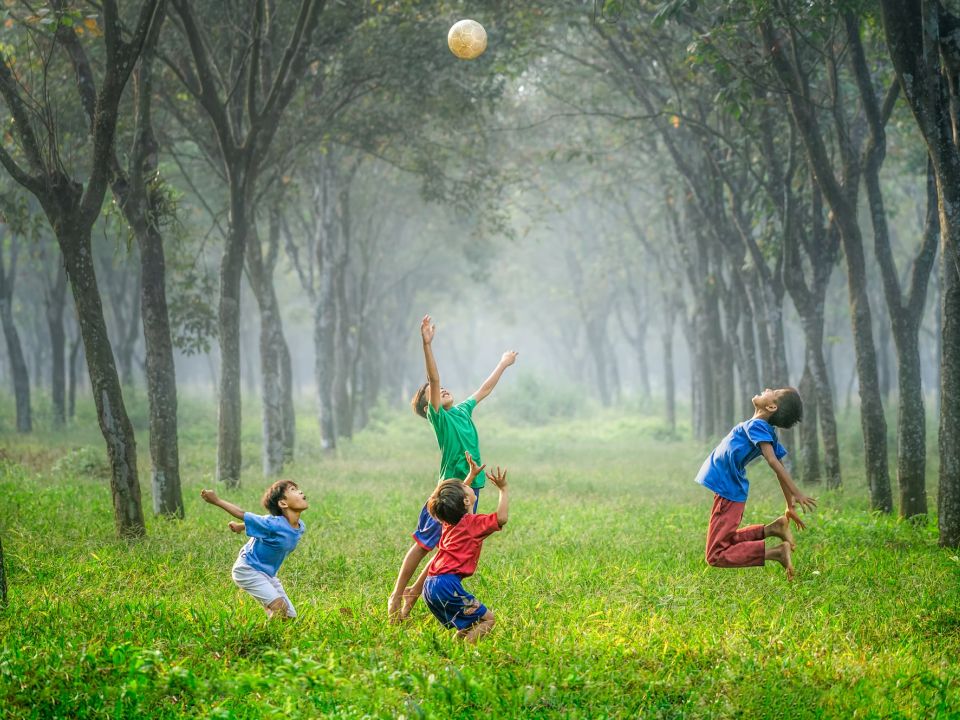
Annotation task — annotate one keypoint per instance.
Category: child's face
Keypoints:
(446, 399)
(294, 499)
(469, 498)
(767, 400)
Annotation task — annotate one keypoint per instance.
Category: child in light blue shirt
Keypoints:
(272, 538)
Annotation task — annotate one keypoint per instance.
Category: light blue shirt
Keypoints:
(724, 471)
(271, 540)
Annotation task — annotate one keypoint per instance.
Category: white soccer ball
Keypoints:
(467, 39)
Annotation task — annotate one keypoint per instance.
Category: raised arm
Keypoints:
(474, 468)
(211, 497)
(499, 478)
(427, 329)
(508, 359)
(790, 491)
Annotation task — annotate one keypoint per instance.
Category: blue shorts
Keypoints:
(429, 528)
(450, 603)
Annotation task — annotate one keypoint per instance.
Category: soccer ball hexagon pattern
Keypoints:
(467, 39)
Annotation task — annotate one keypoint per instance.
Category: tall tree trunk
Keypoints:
(343, 391)
(911, 431)
(55, 301)
(371, 371)
(325, 320)
(872, 419)
(39, 351)
(884, 370)
(809, 441)
(948, 500)
(705, 377)
(228, 313)
(758, 309)
(669, 381)
(127, 332)
(287, 407)
(324, 325)
(111, 413)
(271, 386)
(640, 347)
(598, 354)
(749, 379)
(18, 367)
(824, 401)
(161, 376)
(76, 348)
(260, 273)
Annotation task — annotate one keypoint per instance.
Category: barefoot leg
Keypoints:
(478, 629)
(783, 555)
(409, 566)
(411, 594)
(780, 528)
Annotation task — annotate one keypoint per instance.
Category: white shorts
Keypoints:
(264, 588)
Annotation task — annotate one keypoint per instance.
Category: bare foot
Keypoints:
(781, 528)
(787, 561)
(409, 600)
(782, 554)
(393, 610)
(237, 527)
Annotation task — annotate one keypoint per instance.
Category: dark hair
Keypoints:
(789, 408)
(419, 402)
(274, 494)
(446, 502)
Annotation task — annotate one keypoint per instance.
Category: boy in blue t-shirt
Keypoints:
(456, 435)
(724, 472)
(272, 538)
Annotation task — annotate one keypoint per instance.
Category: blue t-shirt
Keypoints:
(724, 471)
(271, 540)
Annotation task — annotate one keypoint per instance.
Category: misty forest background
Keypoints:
(223, 221)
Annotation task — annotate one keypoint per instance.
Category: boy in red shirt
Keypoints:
(452, 503)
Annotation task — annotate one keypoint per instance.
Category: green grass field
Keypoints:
(605, 605)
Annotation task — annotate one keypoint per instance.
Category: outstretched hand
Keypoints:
(805, 501)
(508, 358)
(474, 468)
(792, 515)
(427, 329)
(210, 496)
(498, 478)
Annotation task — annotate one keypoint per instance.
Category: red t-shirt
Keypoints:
(459, 547)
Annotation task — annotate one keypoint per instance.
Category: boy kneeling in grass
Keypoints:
(724, 472)
(453, 503)
(272, 538)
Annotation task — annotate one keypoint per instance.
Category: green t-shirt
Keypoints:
(455, 434)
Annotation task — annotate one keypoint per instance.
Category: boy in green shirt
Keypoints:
(456, 434)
